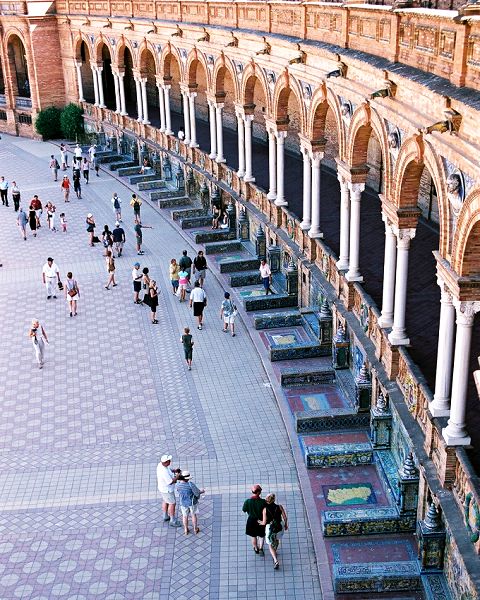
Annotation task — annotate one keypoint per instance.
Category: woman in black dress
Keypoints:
(254, 506)
(153, 301)
(32, 221)
(275, 519)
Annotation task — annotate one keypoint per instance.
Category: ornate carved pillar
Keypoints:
(440, 406)
(280, 199)
(307, 189)
(218, 114)
(389, 265)
(398, 335)
(353, 273)
(272, 165)
(315, 231)
(455, 434)
(213, 129)
(79, 81)
(248, 119)
(343, 261)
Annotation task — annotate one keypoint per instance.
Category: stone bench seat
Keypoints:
(188, 211)
(269, 302)
(166, 193)
(338, 455)
(330, 420)
(190, 222)
(297, 351)
(245, 278)
(203, 237)
(142, 178)
(435, 587)
(107, 157)
(294, 376)
(172, 202)
(222, 247)
(366, 521)
(400, 576)
(155, 183)
(279, 319)
(238, 264)
(127, 171)
(114, 166)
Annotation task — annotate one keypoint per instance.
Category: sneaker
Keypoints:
(189, 368)
(55, 297)
(175, 524)
(71, 314)
(167, 518)
(48, 297)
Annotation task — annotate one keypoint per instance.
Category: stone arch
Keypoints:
(97, 51)
(18, 61)
(170, 59)
(124, 44)
(284, 87)
(465, 252)
(146, 49)
(324, 115)
(77, 46)
(196, 58)
(363, 123)
(224, 66)
(251, 75)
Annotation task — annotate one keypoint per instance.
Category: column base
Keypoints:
(353, 277)
(272, 196)
(168, 132)
(456, 437)
(212, 155)
(343, 264)
(220, 160)
(81, 99)
(439, 408)
(280, 202)
(398, 338)
(304, 225)
(315, 234)
(146, 122)
(193, 145)
(386, 322)
(124, 114)
(240, 174)
(186, 142)
(249, 178)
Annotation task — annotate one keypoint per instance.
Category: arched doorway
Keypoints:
(125, 62)
(148, 70)
(17, 60)
(255, 103)
(225, 92)
(197, 84)
(83, 58)
(172, 77)
(107, 78)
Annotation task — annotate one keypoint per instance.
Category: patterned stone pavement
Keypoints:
(79, 440)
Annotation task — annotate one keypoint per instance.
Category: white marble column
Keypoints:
(455, 434)
(398, 335)
(121, 87)
(95, 85)
(186, 117)
(138, 89)
(248, 119)
(440, 405)
(307, 190)
(101, 95)
(212, 117)
(241, 143)
(193, 123)
(117, 93)
(272, 165)
(219, 117)
(168, 114)
(389, 267)
(343, 262)
(353, 273)
(161, 105)
(315, 231)
(80, 81)
(143, 84)
(280, 199)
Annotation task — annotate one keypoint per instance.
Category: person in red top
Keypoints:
(65, 185)
(36, 205)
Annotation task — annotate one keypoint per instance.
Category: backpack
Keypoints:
(57, 166)
(116, 203)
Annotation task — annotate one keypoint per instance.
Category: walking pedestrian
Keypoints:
(54, 166)
(86, 169)
(107, 240)
(174, 271)
(110, 261)
(72, 293)
(138, 237)
(117, 208)
(95, 165)
(63, 157)
(118, 235)
(146, 285)
(166, 480)
(254, 506)
(266, 275)
(77, 151)
(22, 221)
(91, 228)
(188, 495)
(137, 277)
(198, 299)
(50, 209)
(275, 519)
(136, 203)
(38, 208)
(4, 190)
(32, 221)
(187, 342)
(65, 185)
(228, 312)
(76, 167)
(15, 196)
(200, 267)
(92, 151)
(183, 283)
(63, 222)
(38, 335)
(77, 186)
(186, 264)
(51, 277)
(153, 301)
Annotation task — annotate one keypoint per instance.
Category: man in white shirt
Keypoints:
(198, 299)
(78, 152)
(4, 190)
(266, 275)
(166, 479)
(92, 151)
(50, 276)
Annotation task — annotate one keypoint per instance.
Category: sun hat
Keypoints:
(166, 458)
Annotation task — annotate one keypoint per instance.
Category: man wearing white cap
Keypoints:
(166, 479)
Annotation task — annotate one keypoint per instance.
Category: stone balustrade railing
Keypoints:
(437, 42)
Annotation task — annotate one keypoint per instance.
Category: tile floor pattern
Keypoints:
(80, 516)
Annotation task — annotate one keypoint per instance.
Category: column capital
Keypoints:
(219, 106)
(248, 119)
(280, 135)
(356, 189)
(78, 64)
(404, 236)
(446, 296)
(192, 94)
(465, 311)
(342, 180)
(305, 149)
(317, 158)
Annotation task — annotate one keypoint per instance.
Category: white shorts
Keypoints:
(229, 320)
(168, 497)
(186, 510)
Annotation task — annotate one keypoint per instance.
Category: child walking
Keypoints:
(187, 342)
(63, 222)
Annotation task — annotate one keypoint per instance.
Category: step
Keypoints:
(127, 171)
(297, 351)
(189, 211)
(403, 576)
(366, 521)
(203, 237)
(193, 222)
(106, 157)
(337, 455)
(156, 183)
(144, 178)
(299, 377)
(166, 193)
(238, 264)
(279, 319)
(222, 247)
(329, 420)
(171, 202)
(435, 587)
(270, 302)
(114, 166)
(246, 278)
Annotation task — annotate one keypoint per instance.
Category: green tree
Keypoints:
(47, 123)
(72, 121)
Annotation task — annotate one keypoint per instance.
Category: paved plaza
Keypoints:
(80, 440)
